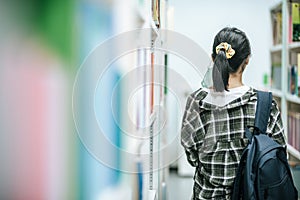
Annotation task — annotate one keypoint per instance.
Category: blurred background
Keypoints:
(42, 46)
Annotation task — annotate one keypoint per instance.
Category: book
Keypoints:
(293, 80)
(298, 132)
(277, 27)
(289, 132)
(278, 38)
(155, 12)
(290, 30)
(293, 131)
(276, 77)
(298, 64)
(296, 21)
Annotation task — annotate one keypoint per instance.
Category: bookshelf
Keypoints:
(152, 18)
(293, 99)
(285, 69)
(277, 93)
(293, 151)
(276, 48)
(294, 46)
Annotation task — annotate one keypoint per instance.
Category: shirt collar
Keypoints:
(244, 99)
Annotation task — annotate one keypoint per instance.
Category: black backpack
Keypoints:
(263, 172)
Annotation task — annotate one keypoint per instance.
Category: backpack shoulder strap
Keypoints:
(263, 109)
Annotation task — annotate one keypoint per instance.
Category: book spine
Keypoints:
(294, 130)
(298, 73)
(290, 25)
(295, 21)
(297, 132)
(289, 129)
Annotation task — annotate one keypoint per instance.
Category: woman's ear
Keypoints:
(244, 64)
(247, 60)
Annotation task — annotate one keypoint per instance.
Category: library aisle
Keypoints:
(179, 187)
(92, 92)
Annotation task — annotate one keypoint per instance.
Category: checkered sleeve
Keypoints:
(189, 129)
(275, 126)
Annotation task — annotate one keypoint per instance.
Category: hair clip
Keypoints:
(227, 48)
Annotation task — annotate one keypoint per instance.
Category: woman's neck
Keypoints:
(235, 80)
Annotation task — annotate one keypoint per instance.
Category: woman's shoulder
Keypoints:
(199, 94)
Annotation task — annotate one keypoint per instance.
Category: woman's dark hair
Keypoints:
(224, 66)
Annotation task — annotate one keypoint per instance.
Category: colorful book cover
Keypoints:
(298, 63)
(155, 12)
(296, 139)
(297, 132)
(293, 80)
(290, 30)
(289, 89)
(289, 130)
(290, 24)
(278, 38)
(295, 13)
(294, 131)
(274, 28)
(296, 21)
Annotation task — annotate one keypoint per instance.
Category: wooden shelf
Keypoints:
(293, 98)
(291, 46)
(294, 152)
(276, 48)
(282, 53)
(294, 46)
(276, 93)
(289, 97)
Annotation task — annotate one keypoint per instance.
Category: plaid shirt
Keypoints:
(213, 139)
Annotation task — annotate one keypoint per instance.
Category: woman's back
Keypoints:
(215, 119)
(213, 136)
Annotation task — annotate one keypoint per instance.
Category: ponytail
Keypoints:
(221, 72)
(230, 49)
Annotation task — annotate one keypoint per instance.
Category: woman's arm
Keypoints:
(275, 127)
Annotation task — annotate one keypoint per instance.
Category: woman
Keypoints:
(214, 120)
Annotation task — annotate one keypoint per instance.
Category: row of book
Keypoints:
(276, 76)
(293, 75)
(293, 131)
(277, 26)
(293, 24)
